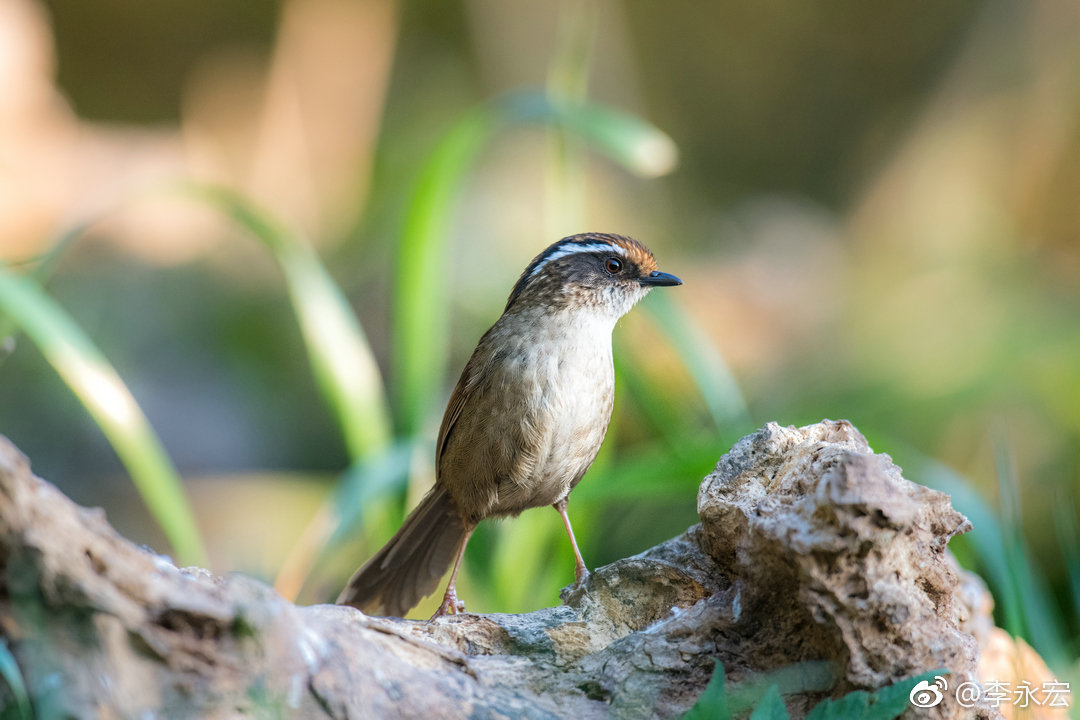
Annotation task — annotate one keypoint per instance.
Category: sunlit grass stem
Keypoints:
(97, 385)
(341, 358)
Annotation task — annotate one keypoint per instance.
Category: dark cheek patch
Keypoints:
(583, 274)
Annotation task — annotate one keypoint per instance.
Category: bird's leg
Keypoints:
(450, 603)
(581, 573)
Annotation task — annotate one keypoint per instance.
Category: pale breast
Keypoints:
(535, 420)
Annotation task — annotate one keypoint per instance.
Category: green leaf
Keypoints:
(99, 388)
(771, 706)
(713, 704)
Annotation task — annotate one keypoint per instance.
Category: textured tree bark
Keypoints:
(813, 553)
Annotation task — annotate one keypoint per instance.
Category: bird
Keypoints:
(525, 420)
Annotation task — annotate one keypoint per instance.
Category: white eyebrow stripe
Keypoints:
(574, 249)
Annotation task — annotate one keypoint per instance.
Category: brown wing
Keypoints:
(489, 444)
(470, 378)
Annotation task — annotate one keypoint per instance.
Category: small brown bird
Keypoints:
(526, 419)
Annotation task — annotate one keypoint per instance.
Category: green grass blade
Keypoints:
(1043, 623)
(341, 358)
(713, 703)
(716, 702)
(1068, 533)
(803, 677)
(568, 73)
(9, 671)
(41, 267)
(363, 485)
(525, 554)
(652, 472)
(887, 703)
(627, 139)
(636, 145)
(342, 362)
(987, 539)
(666, 414)
(771, 706)
(421, 312)
(567, 86)
(369, 482)
(706, 365)
(1027, 607)
(852, 706)
(112, 406)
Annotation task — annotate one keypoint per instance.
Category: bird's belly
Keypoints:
(566, 421)
(534, 420)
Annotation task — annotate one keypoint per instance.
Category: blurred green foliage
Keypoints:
(764, 696)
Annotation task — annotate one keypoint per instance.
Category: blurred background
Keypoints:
(282, 227)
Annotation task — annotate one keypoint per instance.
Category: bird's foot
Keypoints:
(572, 593)
(450, 605)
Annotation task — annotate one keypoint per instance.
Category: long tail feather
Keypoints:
(409, 566)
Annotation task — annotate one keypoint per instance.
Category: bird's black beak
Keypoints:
(659, 279)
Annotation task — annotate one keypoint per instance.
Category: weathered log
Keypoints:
(811, 549)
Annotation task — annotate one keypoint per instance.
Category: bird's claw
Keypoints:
(451, 605)
(573, 593)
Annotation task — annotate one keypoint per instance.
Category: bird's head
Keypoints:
(592, 271)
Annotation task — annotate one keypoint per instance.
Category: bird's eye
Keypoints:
(613, 265)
